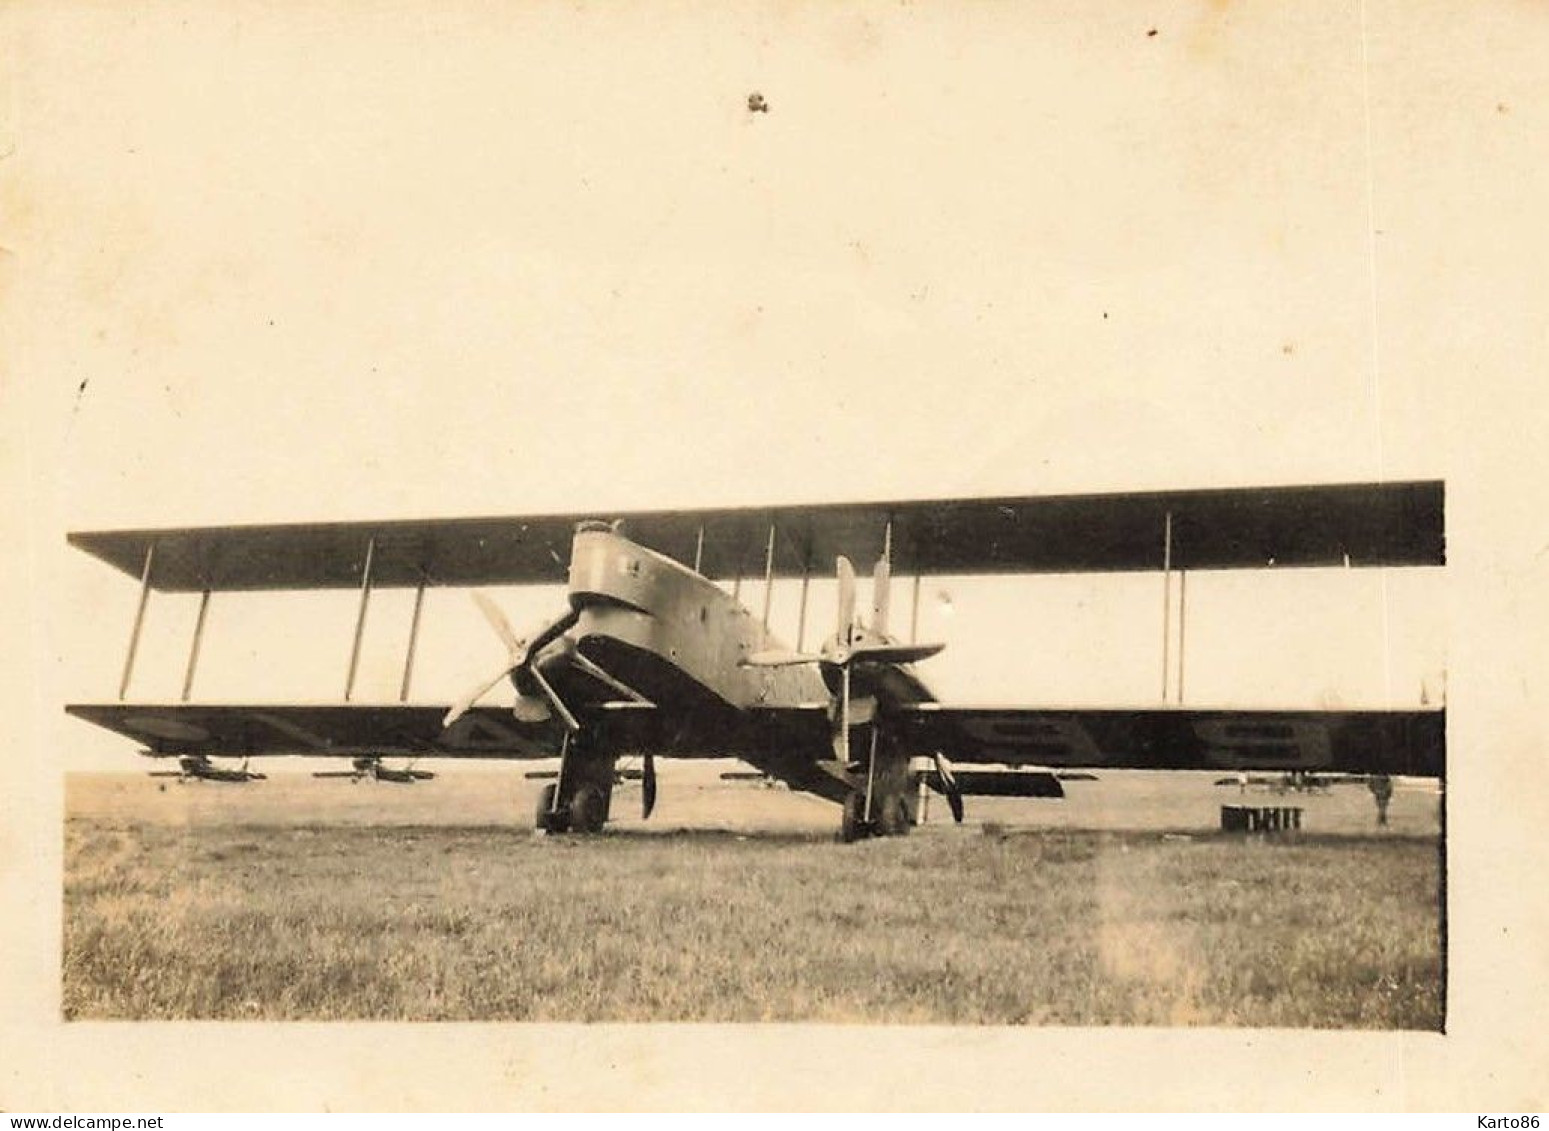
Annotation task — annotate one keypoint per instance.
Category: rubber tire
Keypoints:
(893, 815)
(851, 827)
(545, 819)
(588, 810)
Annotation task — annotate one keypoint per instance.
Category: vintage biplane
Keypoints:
(373, 769)
(198, 767)
(656, 655)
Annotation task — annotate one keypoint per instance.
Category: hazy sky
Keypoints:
(416, 262)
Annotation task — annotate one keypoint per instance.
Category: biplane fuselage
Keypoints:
(671, 634)
(677, 637)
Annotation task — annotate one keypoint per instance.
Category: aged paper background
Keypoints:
(380, 259)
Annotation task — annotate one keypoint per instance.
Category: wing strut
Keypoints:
(914, 613)
(139, 620)
(414, 636)
(360, 618)
(768, 576)
(871, 775)
(1183, 582)
(1167, 584)
(193, 649)
(801, 617)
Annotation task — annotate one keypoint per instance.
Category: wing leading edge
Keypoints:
(1358, 742)
(1358, 524)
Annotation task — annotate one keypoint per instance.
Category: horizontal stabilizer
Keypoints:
(893, 653)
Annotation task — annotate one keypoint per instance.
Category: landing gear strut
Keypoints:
(588, 810)
(882, 800)
(893, 814)
(579, 801)
(852, 824)
(548, 819)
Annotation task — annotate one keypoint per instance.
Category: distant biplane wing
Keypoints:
(1363, 524)
(1360, 742)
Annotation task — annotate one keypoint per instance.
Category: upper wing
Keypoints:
(1362, 742)
(348, 730)
(1361, 524)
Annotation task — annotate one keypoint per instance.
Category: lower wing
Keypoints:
(400, 729)
(326, 731)
(1360, 742)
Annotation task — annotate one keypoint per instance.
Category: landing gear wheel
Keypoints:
(852, 825)
(588, 810)
(546, 819)
(893, 815)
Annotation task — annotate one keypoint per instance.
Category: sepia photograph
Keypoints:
(646, 558)
(1097, 896)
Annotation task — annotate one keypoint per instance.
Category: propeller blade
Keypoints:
(944, 769)
(846, 573)
(515, 646)
(881, 595)
(465, 704)
(647, 787)
(949, 787)
(517, 656)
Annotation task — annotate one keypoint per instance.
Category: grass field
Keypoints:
(299, 900)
